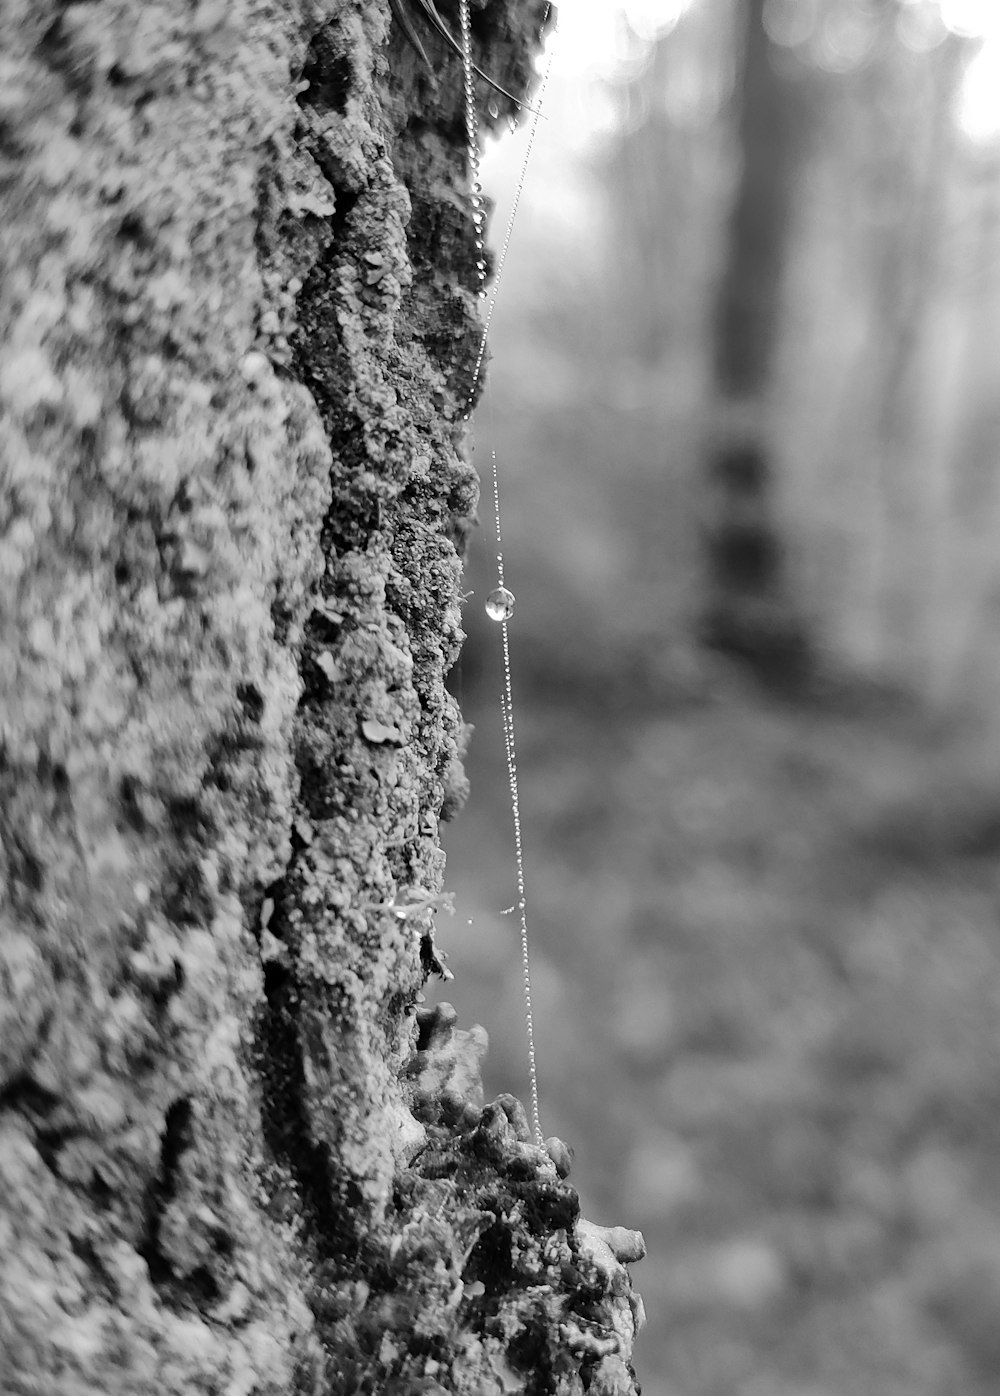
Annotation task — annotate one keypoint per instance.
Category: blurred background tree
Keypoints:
(749, 610)
(745, 390)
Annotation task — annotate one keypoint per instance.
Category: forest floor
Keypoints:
(766, 977)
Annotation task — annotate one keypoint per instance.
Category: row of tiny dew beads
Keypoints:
(500, 602)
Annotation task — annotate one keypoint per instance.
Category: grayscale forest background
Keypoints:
(746, 404)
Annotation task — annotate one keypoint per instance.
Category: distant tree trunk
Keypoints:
(238, 307)
(749, 612)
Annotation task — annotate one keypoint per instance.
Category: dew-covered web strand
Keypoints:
(478, 212)
(500, 602)
(472, 153)
(510, 745)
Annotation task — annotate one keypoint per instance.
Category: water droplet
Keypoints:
(500, 604)
(512, 124)
(493, 109)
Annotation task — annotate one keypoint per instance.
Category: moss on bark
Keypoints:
(239, 298)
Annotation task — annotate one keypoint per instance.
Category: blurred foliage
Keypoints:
(767, 965)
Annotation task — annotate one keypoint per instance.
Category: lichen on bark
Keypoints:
(239, 298)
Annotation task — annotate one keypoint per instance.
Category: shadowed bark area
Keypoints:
(238, 292)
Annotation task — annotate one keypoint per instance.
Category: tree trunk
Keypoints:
(749, 612)
(238, 299)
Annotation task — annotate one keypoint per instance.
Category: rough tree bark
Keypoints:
(238, 308)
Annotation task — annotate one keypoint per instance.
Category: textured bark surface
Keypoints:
(238, 306)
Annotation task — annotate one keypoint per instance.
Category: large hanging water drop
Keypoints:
(500, 604)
